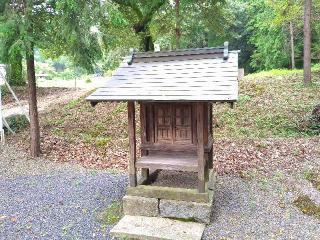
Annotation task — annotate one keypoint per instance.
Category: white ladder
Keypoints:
(3, 121)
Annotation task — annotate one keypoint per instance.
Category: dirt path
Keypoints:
(44, 102)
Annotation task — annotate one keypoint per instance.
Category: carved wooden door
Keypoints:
(163, 123)
(173, 123)
(182, 125)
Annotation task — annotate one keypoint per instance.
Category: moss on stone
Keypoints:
(307, 206)
(181, 194)
(184, 219)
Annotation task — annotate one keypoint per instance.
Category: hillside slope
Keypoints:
(269, 128)
(270, 105)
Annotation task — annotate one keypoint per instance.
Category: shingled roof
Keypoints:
(202, 74)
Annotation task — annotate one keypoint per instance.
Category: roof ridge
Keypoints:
(179, 52)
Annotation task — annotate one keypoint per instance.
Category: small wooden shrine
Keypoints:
(175, 90)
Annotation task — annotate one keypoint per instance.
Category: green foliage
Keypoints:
(126, 25)
(10, 50)
(239, 35)
(269, 40)
(59, 66)
(104, 31)
(198, 27)
(287, 11)
(15, 71)
(62, 27)
(18, 123)
(274, 73)
(73, 33)
(4, 91)
(139, 24)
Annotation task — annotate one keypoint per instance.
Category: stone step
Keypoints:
(156, 228)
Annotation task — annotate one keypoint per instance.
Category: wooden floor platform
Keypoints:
(169, 162)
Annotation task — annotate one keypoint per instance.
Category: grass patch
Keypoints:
(271, 104)
(97, 126)
(307, 206)
(73, 103)
(119, 109)
(58, 132)
(314, 178)
(111, 214)
(103, 141)
(243, 99)
(276, 72)
(17, 123)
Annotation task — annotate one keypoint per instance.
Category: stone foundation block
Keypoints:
(140, 206)
(199, 212)
(156, 228)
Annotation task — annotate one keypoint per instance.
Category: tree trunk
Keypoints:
(33, 109)
(293, 64)
(178, 23)
(147, 42)
(307, 42)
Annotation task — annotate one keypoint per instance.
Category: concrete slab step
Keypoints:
(157, 228)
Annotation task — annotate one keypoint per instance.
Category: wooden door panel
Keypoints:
(183, 119)
(173, 123)
(163, 115)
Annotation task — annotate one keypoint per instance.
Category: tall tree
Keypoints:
(293, 63)
(288, 14)
(57, 27)
(307, 42)
(238, 34)
(31, 17)
(178, 23)
(269, 39)
(140, 14)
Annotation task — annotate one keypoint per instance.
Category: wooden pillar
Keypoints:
(211, 135)
(200, 147)
(206, 140)
(143, 129)
(132, 144)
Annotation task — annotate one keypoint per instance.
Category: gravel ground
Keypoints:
(258, 210)
(40, 199)
(43, 200)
